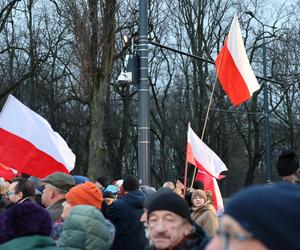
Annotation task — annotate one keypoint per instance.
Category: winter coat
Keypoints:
(125, 214)
(207, 218)
(197, 240)
(35, 242)
(55, 210)
(85, 229)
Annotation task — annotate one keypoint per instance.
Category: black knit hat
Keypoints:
(153, 196)
(270, 214)
(287, 163)
(172, 202)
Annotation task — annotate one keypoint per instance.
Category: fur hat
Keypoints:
(85, 194)
(287, 163)
(199, 192)
(24, 219)
(270, 214)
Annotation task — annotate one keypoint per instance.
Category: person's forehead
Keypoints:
(13, 185)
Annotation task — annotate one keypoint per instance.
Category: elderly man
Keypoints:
(170, 225)
(56, 186)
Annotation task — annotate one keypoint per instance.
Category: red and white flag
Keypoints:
(201, 156)
(233, 68)
(29, 144)
(210, 183)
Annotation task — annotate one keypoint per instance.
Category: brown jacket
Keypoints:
(207, 218)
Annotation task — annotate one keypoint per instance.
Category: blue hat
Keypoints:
(270, 214)
(80, 179)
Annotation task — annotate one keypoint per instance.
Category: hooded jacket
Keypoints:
(125, 214)
(207, 218)
(85, 229)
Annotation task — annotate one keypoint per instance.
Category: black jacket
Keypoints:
(125, 214)
(197, 240)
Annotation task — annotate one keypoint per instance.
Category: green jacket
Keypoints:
(35, 242)
(85, 228)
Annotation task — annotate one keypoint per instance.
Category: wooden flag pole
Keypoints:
(207, 113)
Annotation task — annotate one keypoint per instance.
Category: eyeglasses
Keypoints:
(229, 236)
(10, 193)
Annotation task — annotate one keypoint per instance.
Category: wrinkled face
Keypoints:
(231, 236)
(48, 194)
(198, 201)
(67, 209)
(167, 229)
(11, 193)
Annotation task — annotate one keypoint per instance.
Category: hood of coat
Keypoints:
(85, 228)
(135, 199)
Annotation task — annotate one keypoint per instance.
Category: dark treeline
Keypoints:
(62, 59)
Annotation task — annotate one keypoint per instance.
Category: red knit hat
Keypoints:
(85, 194)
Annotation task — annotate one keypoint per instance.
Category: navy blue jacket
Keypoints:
(125, 214)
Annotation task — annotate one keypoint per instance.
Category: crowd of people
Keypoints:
(69, 212)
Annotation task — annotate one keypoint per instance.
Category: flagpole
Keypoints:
(207, 113)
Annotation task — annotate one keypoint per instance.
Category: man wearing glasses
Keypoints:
(20, 190)
(261, 218)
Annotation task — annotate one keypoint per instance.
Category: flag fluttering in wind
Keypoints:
(29, 144)
(233, 68)
(209, 165)
(201, 156)
(210, 183)
(7, 173)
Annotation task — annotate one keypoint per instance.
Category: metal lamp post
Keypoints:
(268, 155)
(143, 97)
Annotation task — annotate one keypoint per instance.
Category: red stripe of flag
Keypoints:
(19, 154)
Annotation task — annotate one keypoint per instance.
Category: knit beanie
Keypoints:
(24, 219)
(270, 214)
(170, 201)
(85, 194)
(287, 163)
(199, 192)
(153, 196)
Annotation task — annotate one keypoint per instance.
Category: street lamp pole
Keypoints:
(143, 97)
(268, 154)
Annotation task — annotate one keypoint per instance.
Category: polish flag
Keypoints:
(210, 183)
(233, 68)
(7, 173)
(28, 143)
(201, 156)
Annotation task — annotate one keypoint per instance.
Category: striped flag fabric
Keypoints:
(201, 156)
(233, 68)
(29, 144)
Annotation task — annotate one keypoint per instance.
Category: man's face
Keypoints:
(47, 195)
(232, 236)
(167, 229)
(12, 195)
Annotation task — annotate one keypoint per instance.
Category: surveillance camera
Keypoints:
(125, 77)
